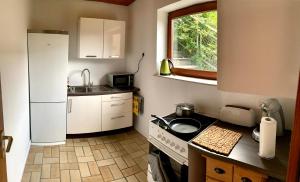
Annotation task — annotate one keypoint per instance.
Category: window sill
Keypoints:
(190, 79)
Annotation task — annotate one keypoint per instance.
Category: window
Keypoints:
(192, 40)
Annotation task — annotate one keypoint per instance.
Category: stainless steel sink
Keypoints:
(80, 89)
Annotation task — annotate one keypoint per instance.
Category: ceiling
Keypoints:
(119, 2)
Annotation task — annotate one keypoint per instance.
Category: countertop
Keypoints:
(99, 90)
(245, 153)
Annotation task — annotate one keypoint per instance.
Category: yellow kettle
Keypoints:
(165, 67)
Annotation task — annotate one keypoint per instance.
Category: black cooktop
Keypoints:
(205, 122)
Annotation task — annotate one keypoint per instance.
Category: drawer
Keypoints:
(119, 106)
(208, 179)
(113, 97)
(246, 175)
(219, 170)
(116, 121)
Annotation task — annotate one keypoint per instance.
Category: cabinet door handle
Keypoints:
(118, 117)
(245, 179)
(2, 144)
(113, 105)
(115, 97)
(90, 56)
(219, 170)
(70, 106)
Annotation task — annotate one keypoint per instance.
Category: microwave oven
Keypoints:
(120, 80)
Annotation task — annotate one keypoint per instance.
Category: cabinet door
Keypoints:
(114, 39)
(243, 174)
(84, 114)
(90, 38)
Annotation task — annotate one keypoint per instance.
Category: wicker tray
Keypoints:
(218, 139)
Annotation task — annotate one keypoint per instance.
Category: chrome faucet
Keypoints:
(89, 83)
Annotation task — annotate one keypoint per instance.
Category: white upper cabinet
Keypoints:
(90, 38)
(101, 39)
(114, 39)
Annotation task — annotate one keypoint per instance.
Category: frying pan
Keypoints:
(181, 126)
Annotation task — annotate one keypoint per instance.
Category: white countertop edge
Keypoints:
(190, 79)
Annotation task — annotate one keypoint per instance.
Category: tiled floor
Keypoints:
(120, 157)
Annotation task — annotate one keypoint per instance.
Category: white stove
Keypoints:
(168, 143)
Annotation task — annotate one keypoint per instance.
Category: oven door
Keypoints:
(176, 170)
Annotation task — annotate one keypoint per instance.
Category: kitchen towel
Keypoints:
(157, 174)
(267, 137)
(218, 139)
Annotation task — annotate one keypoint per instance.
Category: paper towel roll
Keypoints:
(267, 137)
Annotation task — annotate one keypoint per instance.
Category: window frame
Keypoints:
(197, 8)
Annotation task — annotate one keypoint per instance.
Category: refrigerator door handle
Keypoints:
(70, 106)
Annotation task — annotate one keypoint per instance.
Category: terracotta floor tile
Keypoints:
(105, 162)
(33, 168)
(121, 163)
(35, 177)
(120, 180)
(84, 169)
(66, 149)
(86, 159)
(131, 170)
(65, 176)
(72, 157)
(141, 177)
(79, 152)
(105, 154)
(75, 176)
(117, 157)
(55, 151)
(93, 179)
(38, 159)
(87, 151)
(50, 180)
(69, 166)
(106, 174)
(132, 178)
(129, 161)
(26, 177)
(55, 171)
(46, 169)
(97, 155)
(94, 169)
(47, 152)
(117, 174)
(63, 157)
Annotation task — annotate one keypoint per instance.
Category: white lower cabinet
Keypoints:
(88, 114)
(84, 114)
(116, 114)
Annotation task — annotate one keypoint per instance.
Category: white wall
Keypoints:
(260, 41)
(14, 80)
(162, 94)
(64, 15)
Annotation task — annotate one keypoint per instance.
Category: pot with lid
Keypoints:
(184, 109)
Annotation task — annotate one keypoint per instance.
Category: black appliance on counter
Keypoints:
(121, 80)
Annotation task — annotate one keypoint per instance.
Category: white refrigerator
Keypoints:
(48, 66)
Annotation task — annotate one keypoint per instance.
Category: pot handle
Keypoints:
(161, 119)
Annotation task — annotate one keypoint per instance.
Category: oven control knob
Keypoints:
(172, 144)
(168, 141)
(177, 147)
(159, 136)
(163, 138)
(182, 150)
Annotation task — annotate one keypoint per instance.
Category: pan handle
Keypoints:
(161, 119)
